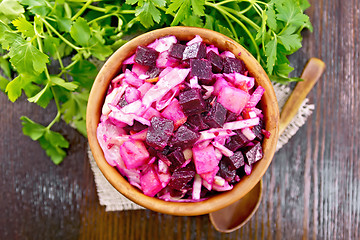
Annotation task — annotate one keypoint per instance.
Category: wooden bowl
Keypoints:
(269, 107)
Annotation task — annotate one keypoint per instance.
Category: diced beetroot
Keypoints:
(209, 176)
(153, 72)
(230, 116)
(233, 99)
(216, 61)
(181, 177)
(237, 141)
(184, 137)
(216, 116)
(146, 56)
(150, 183)
(235, 161)
(177, 50)
(192, 102)
(159, 132)
(254, 153)
(205, 159)
(134, 154)
(132, 79)
(226, 172)
(257, 130)
(176, 158)
(139, 69)
(150, 113)
(233, 65)
(195, 50)
(132, 94)
(197, 123)
(201, 68)
(174, 112)
(137, 127)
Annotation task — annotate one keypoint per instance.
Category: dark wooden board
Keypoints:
(311, 190)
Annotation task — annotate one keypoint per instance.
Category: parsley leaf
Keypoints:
(80, 32)
(10, 9)
(23, 26)
(52, 142)
(270, 50)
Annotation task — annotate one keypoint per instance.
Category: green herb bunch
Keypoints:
(49, 47)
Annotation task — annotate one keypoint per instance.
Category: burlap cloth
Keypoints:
(114, 201)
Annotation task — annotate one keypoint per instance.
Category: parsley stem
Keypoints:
(95, 8)
(102, 17)
(247, 20)
(222, 10)
(231, 26)
(57, 117)
(71, 64)
(82, 10)
(60, 36)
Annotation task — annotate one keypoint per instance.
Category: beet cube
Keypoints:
(137, 126)
(257, 131)
(230, 117)
(146, 56)
(159, 132)
(184, 137)
(177, 50)
(235, 161)
(195, 50)
(216, 116)
(176, 158)
(201, 68)
(153, 72)
(225, 171)
(216, 61)
(196, 122)
(237, 141)
(192, 102)
(233, 65)
(181, 177)
(254, 153)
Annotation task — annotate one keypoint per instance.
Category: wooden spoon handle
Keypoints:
(311, 74)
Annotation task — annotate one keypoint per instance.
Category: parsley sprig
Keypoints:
(51, 48)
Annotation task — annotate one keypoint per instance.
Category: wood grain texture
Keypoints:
(311, 190)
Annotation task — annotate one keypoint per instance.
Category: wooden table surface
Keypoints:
(311, 190)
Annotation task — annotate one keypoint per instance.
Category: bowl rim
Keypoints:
(214, 203)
